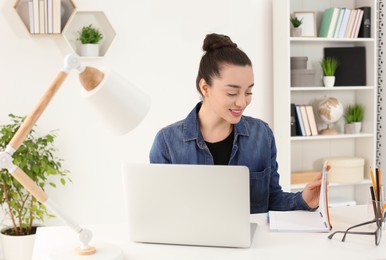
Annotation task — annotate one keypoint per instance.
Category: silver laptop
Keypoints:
(202, 205)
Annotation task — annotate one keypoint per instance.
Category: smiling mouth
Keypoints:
(236, 112)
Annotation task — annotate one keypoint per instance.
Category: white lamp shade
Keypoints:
(118, 102)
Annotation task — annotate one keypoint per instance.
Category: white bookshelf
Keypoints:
(297, 153)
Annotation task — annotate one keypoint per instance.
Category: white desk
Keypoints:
(266, 244)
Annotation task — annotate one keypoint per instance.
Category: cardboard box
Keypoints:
(303, 177)
(303, 78)
(346, 170)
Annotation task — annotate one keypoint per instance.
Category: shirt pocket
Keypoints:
(259, 189)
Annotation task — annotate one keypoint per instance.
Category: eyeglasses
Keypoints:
(377, 233)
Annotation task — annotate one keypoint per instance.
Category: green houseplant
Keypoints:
(296, 30)
(36, 157)
(329, 66)
(353, 117)
(90, 37)
(295, 21)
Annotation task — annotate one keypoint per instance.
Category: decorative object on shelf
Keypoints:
(122, 106)
(37, 158)
(329, 66)
(300, 75)
(308, 19)
(330, 110)
(45, 17)
(352, 69)
(353, 117)
(346, 170)
(296, 30)
(90, 37)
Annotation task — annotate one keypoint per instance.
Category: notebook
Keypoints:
(203, 205)
(304, 221)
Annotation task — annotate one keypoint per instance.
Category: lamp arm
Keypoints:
(6, 161)
(31, 119)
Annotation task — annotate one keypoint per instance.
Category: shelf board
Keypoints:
(329, 137)
(322, 39)
(302, 185)
(320, 88)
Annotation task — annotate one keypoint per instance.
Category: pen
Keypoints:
(377, 179)
(372, 179)
(373, 201)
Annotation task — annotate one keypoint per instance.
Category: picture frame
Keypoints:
(308, 23)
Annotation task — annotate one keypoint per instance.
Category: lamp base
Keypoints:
(103, 252)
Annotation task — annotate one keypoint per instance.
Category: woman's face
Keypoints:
(230, 93)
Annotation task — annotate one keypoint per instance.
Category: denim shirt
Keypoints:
(253, 146)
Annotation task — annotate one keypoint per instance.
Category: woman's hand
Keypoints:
(311, 192)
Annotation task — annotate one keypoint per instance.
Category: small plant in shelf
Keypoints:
(329, 66)
(296, 30)
(90, 37)
(353, 117)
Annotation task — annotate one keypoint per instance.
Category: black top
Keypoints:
(221, 151)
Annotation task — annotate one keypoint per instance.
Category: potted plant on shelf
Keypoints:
(23, 212)
(329, 66)
(353, 117)
(296, 30)
(90, 36)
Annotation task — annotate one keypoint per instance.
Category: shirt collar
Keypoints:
(191, 130)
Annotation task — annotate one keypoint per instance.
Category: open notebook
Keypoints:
(304, 221)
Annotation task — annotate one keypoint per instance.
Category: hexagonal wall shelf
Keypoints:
(96, 18)
(24, 8)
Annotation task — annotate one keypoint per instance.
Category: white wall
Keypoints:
(157, 47)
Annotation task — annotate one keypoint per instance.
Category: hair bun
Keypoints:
(216, 41)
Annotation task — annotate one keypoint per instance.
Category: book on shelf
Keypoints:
(31, 16)
(365, 28)
(56, 16)
(350, 23)
(41, 17)
(334, 18)
(302, 220)
(326, 21)
(44, 16)
(311, 120)
(36, 15)
(343, 25)
(357, 24)
(299, 121)
(306, 122)
(338, 22)
(294, 130)
(343, 22)
(351, 59)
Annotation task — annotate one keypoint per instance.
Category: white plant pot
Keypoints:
(353, 128)
(17, 247)
(89, 50)
(296, 32)
(329, 81)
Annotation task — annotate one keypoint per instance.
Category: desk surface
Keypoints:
(266, 244)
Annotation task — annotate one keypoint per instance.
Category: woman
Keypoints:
(217, 132)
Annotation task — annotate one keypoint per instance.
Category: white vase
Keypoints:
(89, 50)
(353, 128)
(17, 247)
(329, 81)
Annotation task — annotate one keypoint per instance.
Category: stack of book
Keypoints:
(346, 23)
(303, 121)
(44, 16)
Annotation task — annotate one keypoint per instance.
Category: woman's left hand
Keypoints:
(311, 192)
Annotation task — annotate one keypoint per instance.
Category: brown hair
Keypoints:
(219, 50)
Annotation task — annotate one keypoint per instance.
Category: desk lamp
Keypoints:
(122, 106)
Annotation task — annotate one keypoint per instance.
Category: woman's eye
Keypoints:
(232, 94)
(249, 93)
